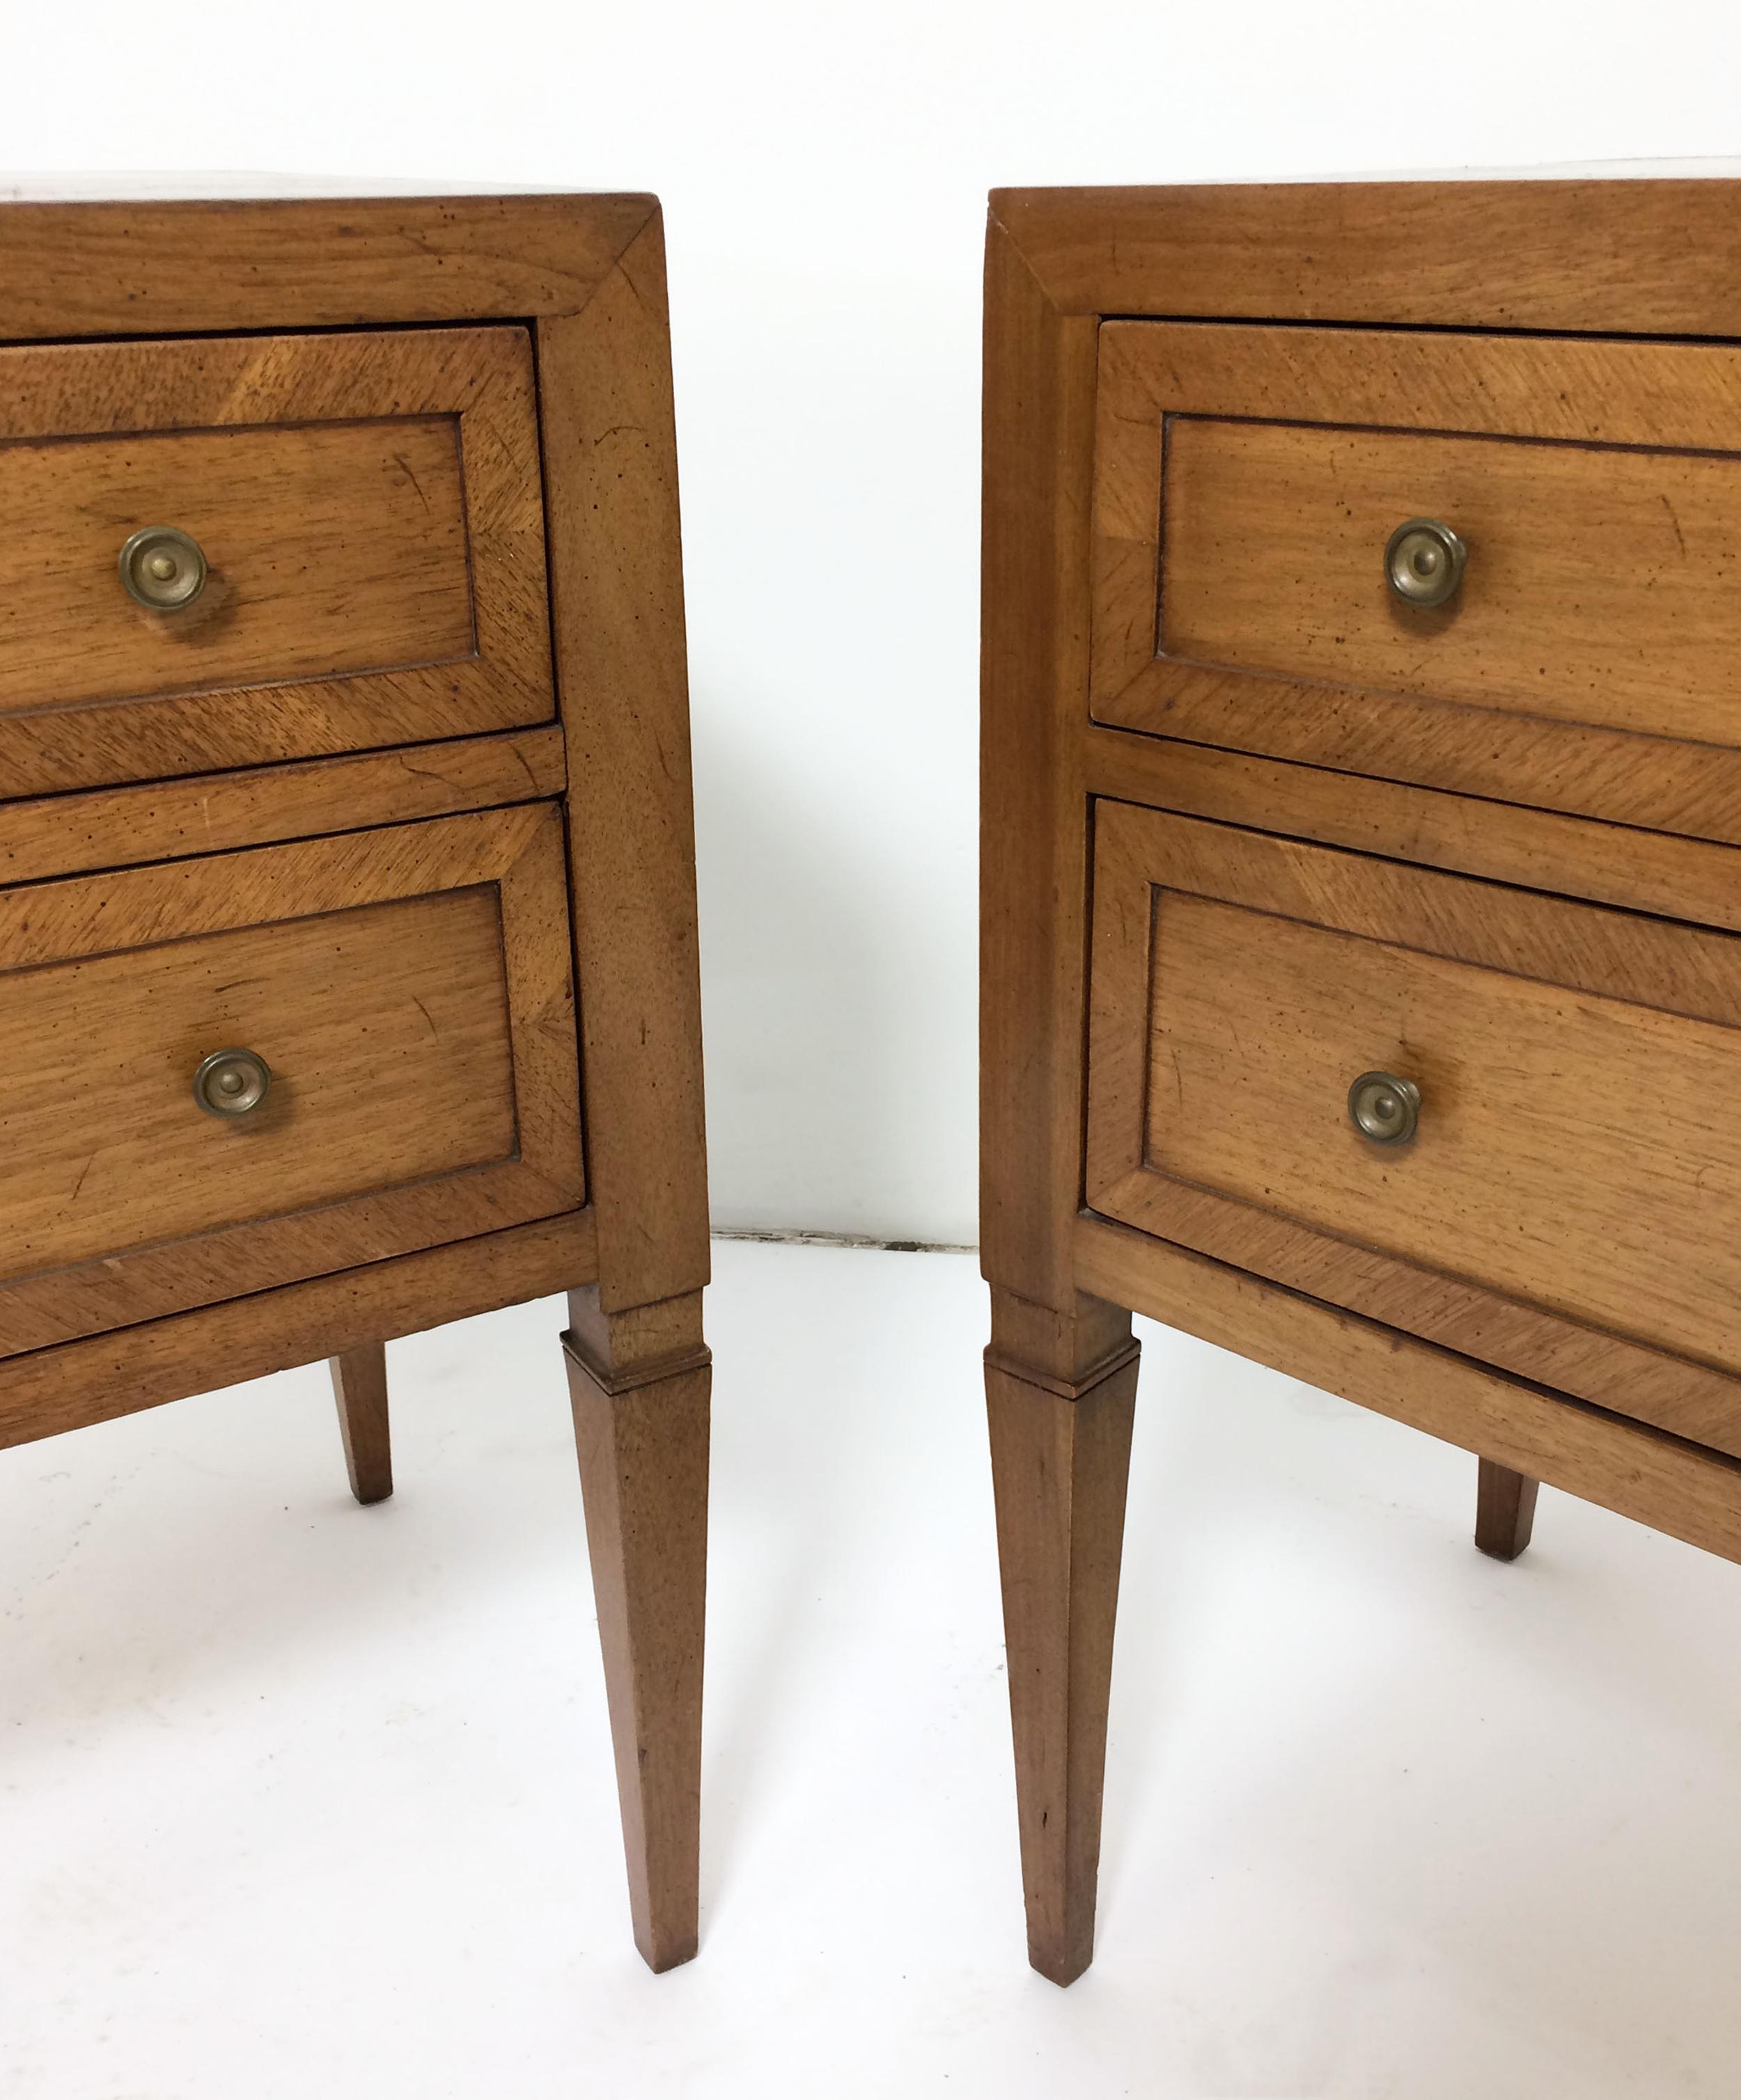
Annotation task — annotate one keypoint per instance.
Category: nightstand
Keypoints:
(347, 967)
(1361, 774)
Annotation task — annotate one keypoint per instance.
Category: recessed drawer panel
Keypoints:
(228, 1073)
(227, 553)
(1598, 586)
(1572, 633)
(1542, 1167)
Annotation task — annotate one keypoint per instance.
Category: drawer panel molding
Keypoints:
(1248, 480)
(1569, 1208)
(409, 991)
(368, 508)
(1674, 1486)
(220, 813)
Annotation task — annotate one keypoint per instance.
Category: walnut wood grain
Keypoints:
(360, 1390)
(1647, 257)
(638, 1373)
(1039, 392)
(388, 1039)
(1060, 1460)
(370, 508)
(1631, 779)
(611, 454)
(1504, 1511)
(1563, 750)
(178, 267)
(1592, 592)
(409, 988)
(95, 1380)
(639, 1382)
(274, 797)
(1643, 870)
(1674, 1486)
(219, 813)
(1555, 1213)
(334, 548)
(1591, 613)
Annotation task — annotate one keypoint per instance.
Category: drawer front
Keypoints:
(409, 992)
(1249, 482)
(370, 513)
(1569, 1207)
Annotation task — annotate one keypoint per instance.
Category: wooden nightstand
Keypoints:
(1362, 790)
(343, 740)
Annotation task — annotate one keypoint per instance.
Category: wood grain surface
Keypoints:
(409, 990)
(1039, 398)
(616, 551)
(1644, 871)
(1647, 257)
(360, 1391)
(50, 1391)
(335, 548)
(316, 814)
(1676, 1487)
(642, 1440)
(371, 509)
(1595, 589)
(217, 813)
(178, 267)
(1592, 613)
(1490, 848)
(1568, 1161)
(638, 1367)
(1504, 1511)
(1059, 1466)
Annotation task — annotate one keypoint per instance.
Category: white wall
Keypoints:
(824, 173)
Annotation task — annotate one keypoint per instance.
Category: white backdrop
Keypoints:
(823, 172)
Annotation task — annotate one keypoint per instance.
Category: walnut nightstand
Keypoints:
(343, 742)
(1362, 796)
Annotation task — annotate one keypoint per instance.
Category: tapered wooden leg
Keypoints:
(640, 1395)
(1060, 1460)
(1504, 1511)
(360, 1387)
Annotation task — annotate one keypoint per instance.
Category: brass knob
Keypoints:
(162, 567)
(1383, 1108)
(231, 1082)
(1424, 561)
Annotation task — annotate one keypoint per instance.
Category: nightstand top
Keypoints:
(177, 255)
(1643, 247)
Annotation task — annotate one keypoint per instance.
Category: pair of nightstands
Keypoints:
(1361, 780)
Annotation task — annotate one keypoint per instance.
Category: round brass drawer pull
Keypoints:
(1383, 1108)
(231, 1082)
(1424, 561)
(162, 567)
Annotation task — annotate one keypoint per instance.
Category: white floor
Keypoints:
(298, 1799)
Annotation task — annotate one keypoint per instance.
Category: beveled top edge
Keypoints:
(1693, 168)
(259, 186)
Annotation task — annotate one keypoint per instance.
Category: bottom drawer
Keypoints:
(1567, 1205)
(408, 994)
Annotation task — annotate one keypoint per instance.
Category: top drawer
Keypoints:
(370, 513)
(1248, 480)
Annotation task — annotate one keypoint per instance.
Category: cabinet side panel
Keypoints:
(1039, 439)
(617, 586)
